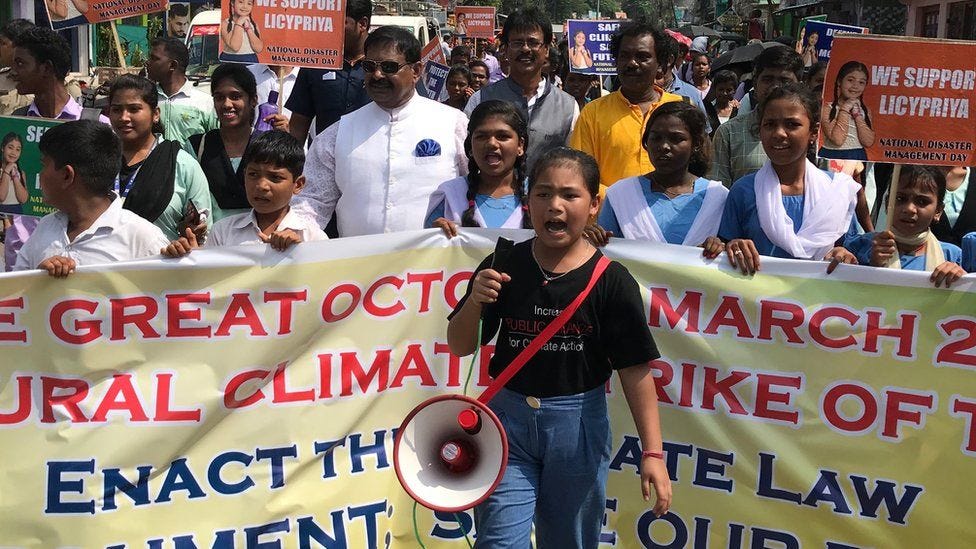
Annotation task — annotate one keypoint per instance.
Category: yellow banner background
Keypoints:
(269, 418)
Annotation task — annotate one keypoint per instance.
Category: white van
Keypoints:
(417, 25)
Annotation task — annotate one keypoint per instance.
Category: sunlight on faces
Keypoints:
(669, 145)
(917, 206)
(130, 116)
(391, 90)
(560, 205)
(527, 51)
(233, 105)
(495, 147)
(786, 131)
(637, 64)
(270, 187)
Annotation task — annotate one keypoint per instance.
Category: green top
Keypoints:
(187, 112)
(189, 184)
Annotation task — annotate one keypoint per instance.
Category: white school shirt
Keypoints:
(267, 81)
(243, 228)
(365, 167)
(117, 235)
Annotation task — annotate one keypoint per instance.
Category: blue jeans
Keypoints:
(558, 457)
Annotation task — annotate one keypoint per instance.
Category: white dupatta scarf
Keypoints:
(637, 221)
(828, 206)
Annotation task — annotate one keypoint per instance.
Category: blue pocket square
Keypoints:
(427, 147)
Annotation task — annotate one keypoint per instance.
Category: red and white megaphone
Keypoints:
(450, 453)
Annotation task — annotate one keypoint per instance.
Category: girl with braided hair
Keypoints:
(492, 195)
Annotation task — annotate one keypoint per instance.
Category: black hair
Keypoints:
(527, 19)
(175, 49)
(240, 76)
(278, 148)
(928, 177)
(778, 57)
(463, 70)
(7, 139)
(723, 76)
(479, 63)
(402, 40)
(564, 156)
(88, 146)
(819, 66)
(357, 9)
(146, 89)
(508, 113)
(461, 50)
(794, 91)
(663, 49)
(46, 46)
(178, 10)
(845, 69)
(14, 28)
(694, 120)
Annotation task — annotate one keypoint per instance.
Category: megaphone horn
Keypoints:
(450, 453)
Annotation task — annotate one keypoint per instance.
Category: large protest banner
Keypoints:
(816, 38)
(20, 165)
(301, 33)
(899, 100)
(65, 14)
(475, 21)
(247, 398)
(589, 46)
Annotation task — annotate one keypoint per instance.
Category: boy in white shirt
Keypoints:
(79, 164)
(273, 164)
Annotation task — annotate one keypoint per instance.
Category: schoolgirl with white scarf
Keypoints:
(672, 204)
(789, 208)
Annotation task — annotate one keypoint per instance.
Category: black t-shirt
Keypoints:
(608, 332)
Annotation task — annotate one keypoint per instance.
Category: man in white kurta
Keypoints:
(377, 166)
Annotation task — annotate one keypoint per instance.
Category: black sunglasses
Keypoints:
(386, 67)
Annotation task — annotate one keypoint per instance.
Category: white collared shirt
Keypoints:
(540, 90)
(241, 229)
(188, 95)
(367, 170)
(267, 81)
(117, 235)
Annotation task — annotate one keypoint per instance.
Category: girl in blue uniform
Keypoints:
(491, 195)
(673, 204)
(789, 208)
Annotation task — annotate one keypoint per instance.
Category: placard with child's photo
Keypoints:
(20, 165)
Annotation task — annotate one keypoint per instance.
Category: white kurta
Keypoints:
(367, 170)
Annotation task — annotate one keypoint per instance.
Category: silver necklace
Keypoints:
(546, 277)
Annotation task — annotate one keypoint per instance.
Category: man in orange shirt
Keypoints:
(610, 128)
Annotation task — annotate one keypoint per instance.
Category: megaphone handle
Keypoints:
(544, 336)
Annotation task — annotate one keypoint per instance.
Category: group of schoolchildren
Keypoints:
(788, 209)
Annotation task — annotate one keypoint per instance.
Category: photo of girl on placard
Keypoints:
(847, 127)
(240, 35)
(13, 180)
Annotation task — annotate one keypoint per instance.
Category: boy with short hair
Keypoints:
(273, 164)
(79, 164)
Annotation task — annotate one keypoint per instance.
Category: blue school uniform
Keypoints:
(741, 219)
(674, 216)
(969, 252)
(860, 246)
(496, 211)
